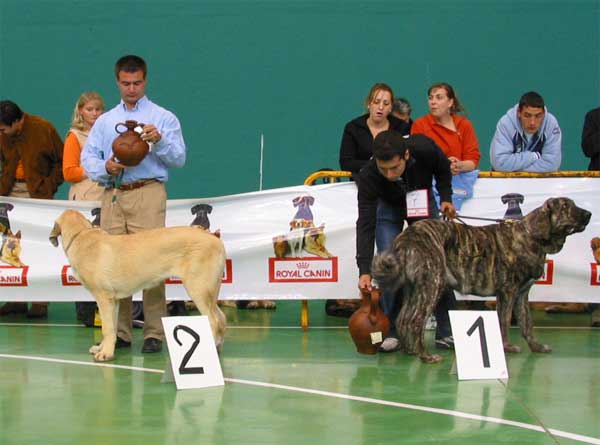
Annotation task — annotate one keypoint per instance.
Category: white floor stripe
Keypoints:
(558, 433)
(572, 328)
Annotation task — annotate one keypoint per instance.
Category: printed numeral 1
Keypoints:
(482, 340)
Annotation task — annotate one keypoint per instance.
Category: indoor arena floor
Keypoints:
(285, 386)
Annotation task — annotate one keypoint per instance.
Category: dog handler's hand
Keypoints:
(151, 134)
(364, 282)
(113, 167)
(448, 210)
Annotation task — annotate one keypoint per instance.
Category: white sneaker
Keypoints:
(390, 344)
(431, 324)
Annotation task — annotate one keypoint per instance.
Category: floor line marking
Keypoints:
(559, 433)
(573, 328)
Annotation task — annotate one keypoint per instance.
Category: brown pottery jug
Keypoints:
(369, 325)
(129, 148)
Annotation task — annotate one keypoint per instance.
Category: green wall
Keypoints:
(297, 71)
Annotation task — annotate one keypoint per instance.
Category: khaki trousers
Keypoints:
(133, 211)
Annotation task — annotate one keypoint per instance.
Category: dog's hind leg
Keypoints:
(525, 322)
(205, 297)
(108, 307)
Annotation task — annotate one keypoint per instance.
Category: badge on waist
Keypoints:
(417, 204)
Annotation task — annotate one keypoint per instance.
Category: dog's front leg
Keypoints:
(504, 306)
(523, 313)
(108, 307)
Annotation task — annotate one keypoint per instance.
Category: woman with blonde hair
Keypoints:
(87, 109)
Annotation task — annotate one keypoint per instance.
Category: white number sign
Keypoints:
(478, 345)
(192, 352)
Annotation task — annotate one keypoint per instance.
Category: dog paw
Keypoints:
(94, 349)
(102, 356)
(431, 358)
(511, 348)
(540, 348)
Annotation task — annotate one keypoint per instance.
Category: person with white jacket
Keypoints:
(527, 138)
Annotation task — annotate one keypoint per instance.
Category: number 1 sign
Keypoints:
(194, 359)
(478, 345)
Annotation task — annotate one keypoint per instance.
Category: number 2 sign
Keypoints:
(192, 352)
(478, 345)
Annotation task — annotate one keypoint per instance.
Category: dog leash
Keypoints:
(496, 220)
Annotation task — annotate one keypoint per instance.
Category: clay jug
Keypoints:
(369, 325)
(129, 148)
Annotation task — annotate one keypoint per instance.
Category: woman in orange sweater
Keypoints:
(452, 133)
(455, 136)
(87, 109)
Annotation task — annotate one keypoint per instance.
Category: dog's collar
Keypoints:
(73, 239)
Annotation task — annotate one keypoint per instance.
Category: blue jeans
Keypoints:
(390, 222)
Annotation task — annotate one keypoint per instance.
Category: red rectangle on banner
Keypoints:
(595, 274)
(303, 270)
(68, 278)
(548, 276)
(13, 276)
(227, 275)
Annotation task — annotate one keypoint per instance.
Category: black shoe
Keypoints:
(86, 312)
(120, 343)
(13, 308)
(152, 345)
(38, 310)
(177, 308)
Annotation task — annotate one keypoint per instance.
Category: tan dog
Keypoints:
(113, 267)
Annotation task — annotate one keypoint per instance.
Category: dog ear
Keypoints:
(18, 235)
(195, 209)
(539, 222)
(386, 270)
(542, 226)
(54, 234)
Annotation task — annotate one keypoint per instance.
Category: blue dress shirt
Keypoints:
(170, 151)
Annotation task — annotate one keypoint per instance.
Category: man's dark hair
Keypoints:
(9, 112)
(389, 144)
(130, 64)
(531, 99)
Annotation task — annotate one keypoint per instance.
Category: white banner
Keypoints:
(295, 242)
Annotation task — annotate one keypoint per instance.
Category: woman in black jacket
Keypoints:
(357, 140)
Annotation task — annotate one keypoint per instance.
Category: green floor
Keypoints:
(284, 386)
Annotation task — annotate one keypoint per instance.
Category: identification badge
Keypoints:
(417, 204)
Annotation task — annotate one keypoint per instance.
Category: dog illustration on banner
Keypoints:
(290, 264)
(10, 247)
(303, 235)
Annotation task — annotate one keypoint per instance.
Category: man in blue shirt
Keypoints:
(135, 197)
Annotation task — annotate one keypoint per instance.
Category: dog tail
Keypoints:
(387, 271)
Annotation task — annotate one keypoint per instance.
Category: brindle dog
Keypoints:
(502, 259)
